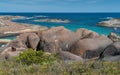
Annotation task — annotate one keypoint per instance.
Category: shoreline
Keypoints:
(10, 28)
(4, 41)
(71, 45)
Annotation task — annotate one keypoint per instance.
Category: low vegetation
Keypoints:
(30, 56)
(39, 63)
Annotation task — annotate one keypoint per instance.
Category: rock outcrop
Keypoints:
(26, 40)
(111, 50)
(65, 55)
(112, 58)
(9, 28)
(114, 37)
(110, 23)
(64, 38)
(84, 33)
(67, 44)
(10, 52)
(90, 47)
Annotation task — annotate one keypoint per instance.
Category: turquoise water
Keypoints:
(9, 37)
(77, 20)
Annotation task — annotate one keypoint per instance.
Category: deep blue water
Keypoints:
(77, 20)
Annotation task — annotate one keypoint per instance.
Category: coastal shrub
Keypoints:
(9, 67)
(35, 57)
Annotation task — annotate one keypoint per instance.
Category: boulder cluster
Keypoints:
(77, 46)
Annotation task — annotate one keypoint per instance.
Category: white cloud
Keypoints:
(94, 1)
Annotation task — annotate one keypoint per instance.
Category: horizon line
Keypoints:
(59, 12)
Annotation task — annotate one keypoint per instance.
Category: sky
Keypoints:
(59, 5)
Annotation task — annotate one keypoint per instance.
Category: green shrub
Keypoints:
(11, 67)
(35, 57)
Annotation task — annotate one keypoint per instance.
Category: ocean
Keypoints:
(76, 20)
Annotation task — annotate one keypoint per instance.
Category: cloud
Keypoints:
(93, 1)
(36, 1)
(21, 2)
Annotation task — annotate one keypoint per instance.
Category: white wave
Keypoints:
(41, 16)
(52, 20)
(29, 17)
(107, 18)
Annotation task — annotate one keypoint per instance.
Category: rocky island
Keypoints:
(53, 20)
(110, 23)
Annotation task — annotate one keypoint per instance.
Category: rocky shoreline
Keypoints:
(71, 46)
(5, 41)
(74, 46)
(9, 28)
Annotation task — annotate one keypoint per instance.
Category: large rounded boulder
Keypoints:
(21, 43)
(29, 40)
(90, 47)
(59, 36)
(114, 37)
(111, 50)
(65, 55)
(84, 33)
